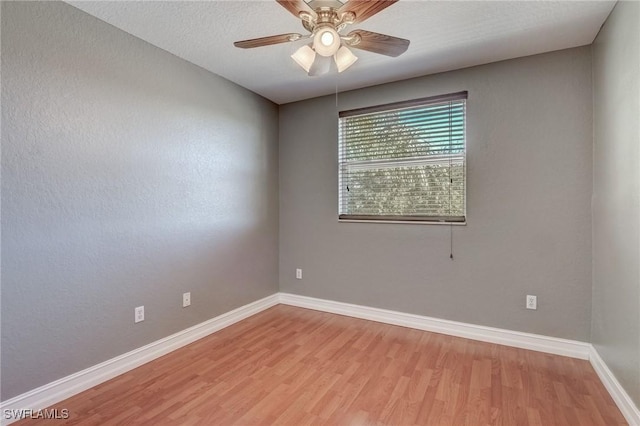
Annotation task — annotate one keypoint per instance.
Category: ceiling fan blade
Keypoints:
(266, 41)
(321, 65)
(364, 9)
(296, 6)
(376, 42)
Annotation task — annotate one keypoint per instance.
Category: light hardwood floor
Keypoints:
(296, 366)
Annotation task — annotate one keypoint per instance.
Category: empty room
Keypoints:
(324, 212)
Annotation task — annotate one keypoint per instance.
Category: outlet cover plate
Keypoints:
(532, 302)
(138, 314)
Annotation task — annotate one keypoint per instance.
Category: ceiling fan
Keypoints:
(325, 19)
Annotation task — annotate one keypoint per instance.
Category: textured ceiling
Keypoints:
(444, 35)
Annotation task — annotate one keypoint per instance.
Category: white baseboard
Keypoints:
(66, 387)
(622, 399)
(535, 342)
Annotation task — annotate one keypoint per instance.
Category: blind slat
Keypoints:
(434, 115)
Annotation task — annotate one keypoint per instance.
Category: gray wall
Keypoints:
(129, 176)
(529, 204)
(616, 195)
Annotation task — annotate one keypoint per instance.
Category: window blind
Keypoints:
(404, 161)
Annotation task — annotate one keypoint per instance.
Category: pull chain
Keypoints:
(337, 112)
(451, 235)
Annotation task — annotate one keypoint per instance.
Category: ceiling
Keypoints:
(445, 35)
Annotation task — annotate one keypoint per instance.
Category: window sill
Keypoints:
(404, 222)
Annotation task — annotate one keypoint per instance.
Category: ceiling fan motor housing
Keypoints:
(324, 16)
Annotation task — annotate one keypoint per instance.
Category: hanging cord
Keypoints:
(337, 112)
(341, 178)
(451, 233)
(450, 184)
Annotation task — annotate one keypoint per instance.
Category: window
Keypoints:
(404, 161)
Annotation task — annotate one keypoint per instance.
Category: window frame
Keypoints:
(405, 219)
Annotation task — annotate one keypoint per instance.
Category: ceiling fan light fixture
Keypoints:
(326, 42)
(344, 58)
(304, 57)
(325, 20)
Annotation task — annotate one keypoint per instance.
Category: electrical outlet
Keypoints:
(139, 314)
(532, 302)
(186, 299)
(299, 274)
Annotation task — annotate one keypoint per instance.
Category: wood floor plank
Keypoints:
(294, 366)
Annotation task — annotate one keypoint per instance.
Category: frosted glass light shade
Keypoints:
(321, 65)
(304, 57)
(344, 58)
(326, 42)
